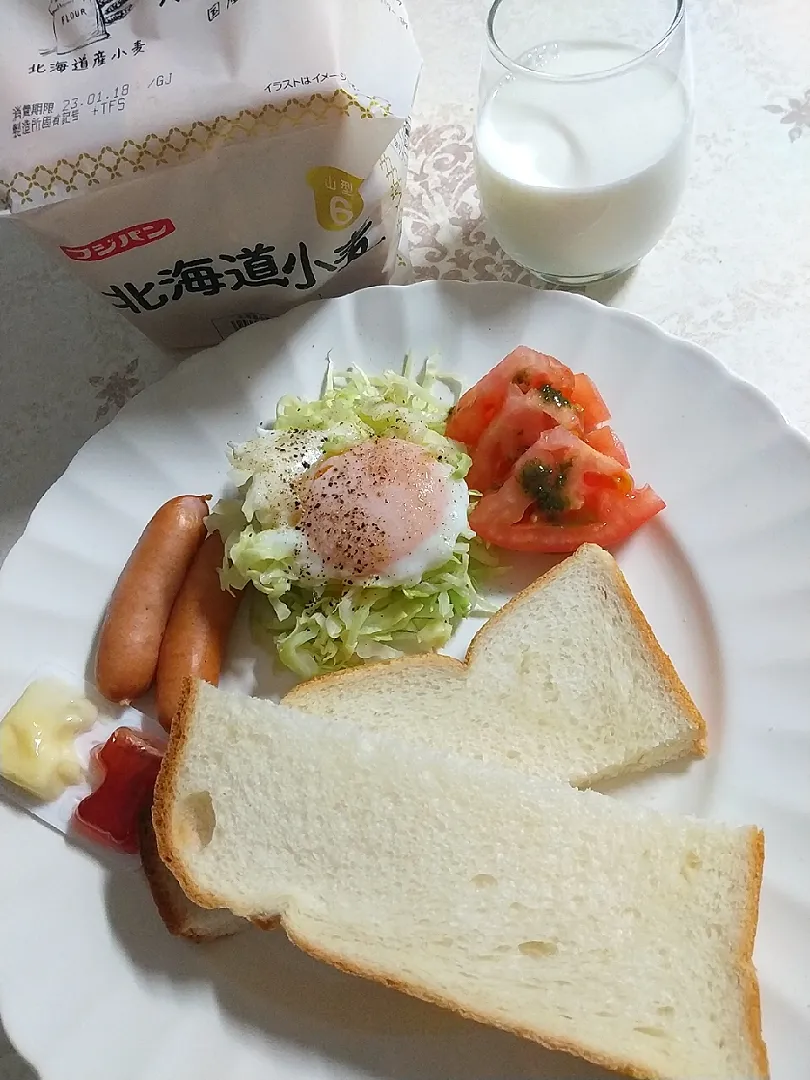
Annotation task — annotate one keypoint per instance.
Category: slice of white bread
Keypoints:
(567, 679)
(181, 916)
(565, 916)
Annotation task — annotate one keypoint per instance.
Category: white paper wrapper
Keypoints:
(58, 814)
(207, 163)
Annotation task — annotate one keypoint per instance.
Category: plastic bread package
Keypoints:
(207, 163)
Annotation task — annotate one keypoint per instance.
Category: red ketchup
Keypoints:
(129, 765)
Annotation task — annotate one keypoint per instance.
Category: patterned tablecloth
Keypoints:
(732, 273)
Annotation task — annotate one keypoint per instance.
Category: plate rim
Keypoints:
(186, 369)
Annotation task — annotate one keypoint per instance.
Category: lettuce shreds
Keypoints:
(354, 406)
(335, 628)
(318, 628)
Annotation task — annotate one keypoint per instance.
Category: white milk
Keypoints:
(582, 178)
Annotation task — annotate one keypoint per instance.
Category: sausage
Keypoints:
(130, 637)
(197, 632)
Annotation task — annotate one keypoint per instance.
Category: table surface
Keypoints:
(732, 272)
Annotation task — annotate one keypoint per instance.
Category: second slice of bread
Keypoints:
(566, 680)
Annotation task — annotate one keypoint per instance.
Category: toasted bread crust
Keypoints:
(347, 676)
(168, 849)
(665, 666)
(422, 994)
(149, 861)
(165, 791)
(457, 668)
(745, 958)
(273, 923)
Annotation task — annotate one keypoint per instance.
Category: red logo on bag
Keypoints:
(115, 243)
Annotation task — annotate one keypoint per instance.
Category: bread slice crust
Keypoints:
(178, 912)
(619, 1065)
(459, 668)
(173, 858)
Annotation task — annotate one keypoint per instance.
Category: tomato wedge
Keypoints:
(555, 475)
(562, 492)
(521, 420)
(590, 403)
(552, 474)
(621, 520)
(605, 440)
(522, 368)
(518, 424)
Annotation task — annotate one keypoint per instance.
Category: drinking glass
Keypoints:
(583, 131)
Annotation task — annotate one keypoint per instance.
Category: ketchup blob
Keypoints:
(129, 764)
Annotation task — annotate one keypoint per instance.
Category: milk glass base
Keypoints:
(574, 282)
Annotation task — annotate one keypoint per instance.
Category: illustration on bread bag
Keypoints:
(79, 23)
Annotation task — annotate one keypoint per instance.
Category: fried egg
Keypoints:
(384, 512)
(273, 463)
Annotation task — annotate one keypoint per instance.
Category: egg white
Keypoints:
(277, 463)
(271, 465)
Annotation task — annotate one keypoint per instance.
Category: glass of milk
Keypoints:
(583, 131)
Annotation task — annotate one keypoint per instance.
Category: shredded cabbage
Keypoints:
(354, 406)
(318, 627)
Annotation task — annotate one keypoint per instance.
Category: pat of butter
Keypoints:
(37, 734)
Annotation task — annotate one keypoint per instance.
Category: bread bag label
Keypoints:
(207, 163)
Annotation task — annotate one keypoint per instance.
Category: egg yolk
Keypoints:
(373, 504)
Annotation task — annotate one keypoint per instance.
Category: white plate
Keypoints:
(92, 986)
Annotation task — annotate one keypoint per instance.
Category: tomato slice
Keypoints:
(590, 402)
(624, 517)
(605, 440)
(554, 474)
(523, 368)
(521, 420)
(518, 425)
(561, 493)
